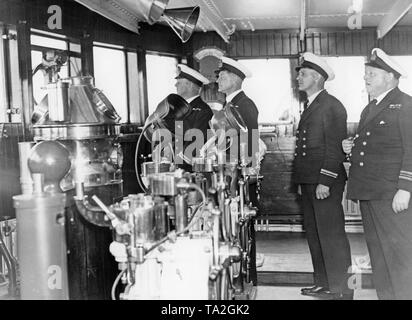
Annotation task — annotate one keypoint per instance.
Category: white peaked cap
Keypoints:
(191, 74)
(381, 60)
(312, 61)
(235, 67)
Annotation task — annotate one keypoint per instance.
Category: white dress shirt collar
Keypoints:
(189, 100)
(232, 95)
(313, 97)
(382, 96)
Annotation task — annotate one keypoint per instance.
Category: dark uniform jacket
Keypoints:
(249, 113)
(318, 154)
(199, 119)
(381, 158)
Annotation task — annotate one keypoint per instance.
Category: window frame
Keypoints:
(160, 54)
(290, 58)
(365, 58)
(67, 40)
(125, 51)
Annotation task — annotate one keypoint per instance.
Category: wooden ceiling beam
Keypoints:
(398, 10)
(303, 22)
(303, 18)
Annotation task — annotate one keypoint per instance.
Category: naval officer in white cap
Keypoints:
(320, 175)
(380, 176)
(188, 85)
(230, 79)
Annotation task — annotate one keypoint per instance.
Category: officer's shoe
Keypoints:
(327, 295)
(313, 291)
(260, 259)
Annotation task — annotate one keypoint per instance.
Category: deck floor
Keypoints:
(293, 293)
(289, 252)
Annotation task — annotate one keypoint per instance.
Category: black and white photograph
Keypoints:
(206, 157)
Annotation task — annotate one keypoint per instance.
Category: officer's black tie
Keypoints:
(372, 104)
(369, 108)
(305, 104)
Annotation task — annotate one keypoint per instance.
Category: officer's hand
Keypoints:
(347, 145)
(401, 201)
(299, 190)
(322, 192)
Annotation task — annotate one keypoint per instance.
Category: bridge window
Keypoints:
(270, 88)
(43, 44)
(161, 73)
(348, 85)
(273, 87)
(110, 76)
(405, 83)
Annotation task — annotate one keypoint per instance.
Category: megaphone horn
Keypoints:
(182, 21)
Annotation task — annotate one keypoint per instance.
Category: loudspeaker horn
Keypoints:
(182, 21)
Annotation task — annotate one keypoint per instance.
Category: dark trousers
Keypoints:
(389, 239)
(324, 224)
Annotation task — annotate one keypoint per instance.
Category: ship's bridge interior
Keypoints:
(86, 197)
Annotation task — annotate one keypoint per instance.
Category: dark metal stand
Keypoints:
(12, 265)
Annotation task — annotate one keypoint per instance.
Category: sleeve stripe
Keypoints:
(328, 173)
(405, 178)
(406, 173)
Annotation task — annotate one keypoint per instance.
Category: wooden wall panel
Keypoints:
(278, 194)
(294, 45)
(247, 45)
(408, 41)
(347, 43)
(332, 42)
(339, 43)
(356, 43)
(239, 47)
(278, 44)
(316, 43)
(285, 44)
(263, 45)
(270, 39)
(324, 42)
(309, 43)
(364, 45)
(403, 39)
(255, 46)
